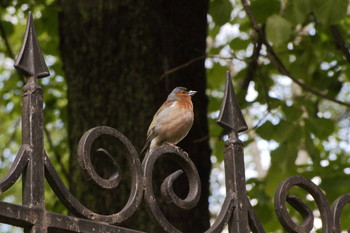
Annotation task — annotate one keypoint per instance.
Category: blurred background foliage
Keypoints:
(289, 60)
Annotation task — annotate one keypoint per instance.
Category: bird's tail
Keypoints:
(145, 148)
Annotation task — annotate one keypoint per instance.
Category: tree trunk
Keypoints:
(114, 53)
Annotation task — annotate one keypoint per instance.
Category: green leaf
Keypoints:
(266, 130)
(284, 131)
(330, 11)
(297, 10)
(216, 76)
(282, 161)
(287, 131)
(275, 103)
(214, 104)
(220, 10)
(311, 149)
(8, 27)
(278, 29)
(263, 9)
(214, 31)
(218, 147)
(239, 44)
(292, 113)
(320, 127)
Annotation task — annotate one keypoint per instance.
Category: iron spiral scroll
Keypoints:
(34, 165)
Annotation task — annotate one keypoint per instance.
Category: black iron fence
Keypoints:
(34, 165)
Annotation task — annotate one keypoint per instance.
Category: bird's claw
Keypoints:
(179, 149)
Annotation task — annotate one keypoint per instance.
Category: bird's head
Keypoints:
(181, 93)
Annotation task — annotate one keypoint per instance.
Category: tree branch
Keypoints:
(253, 64)
(275, 60)
(340, 42)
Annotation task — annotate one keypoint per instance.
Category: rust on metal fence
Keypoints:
(34, 165)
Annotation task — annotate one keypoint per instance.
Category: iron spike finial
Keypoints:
(230, 116)
(30, 60)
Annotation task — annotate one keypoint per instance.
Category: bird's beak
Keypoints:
(191, 93)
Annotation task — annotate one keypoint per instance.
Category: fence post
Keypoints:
(31, 63)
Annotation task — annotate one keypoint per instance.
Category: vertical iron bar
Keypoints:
(234, 149)
(231, 118)
(31, 63)
(32, 135)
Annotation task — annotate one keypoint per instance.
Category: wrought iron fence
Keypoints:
(34, 165)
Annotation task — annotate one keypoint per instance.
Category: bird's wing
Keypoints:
(158, 117)
(161, 115)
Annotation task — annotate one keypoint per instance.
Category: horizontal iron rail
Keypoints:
(23, 216)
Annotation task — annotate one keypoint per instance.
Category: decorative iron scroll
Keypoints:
(34, 165)
(280, 205)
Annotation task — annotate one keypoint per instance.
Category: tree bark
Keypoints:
(114, 53)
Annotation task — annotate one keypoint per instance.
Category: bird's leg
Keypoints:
(171, 144)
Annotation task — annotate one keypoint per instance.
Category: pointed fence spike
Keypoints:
(230, 116)
(30, 60)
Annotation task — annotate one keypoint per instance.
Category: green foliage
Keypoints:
(302, 133)
(330, 11)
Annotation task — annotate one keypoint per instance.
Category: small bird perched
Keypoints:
(172, 121)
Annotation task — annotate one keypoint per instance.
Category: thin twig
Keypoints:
(276, 61)
(177, 68)
(202, 139)
(180, 67)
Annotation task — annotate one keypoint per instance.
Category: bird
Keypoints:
(172, 121)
